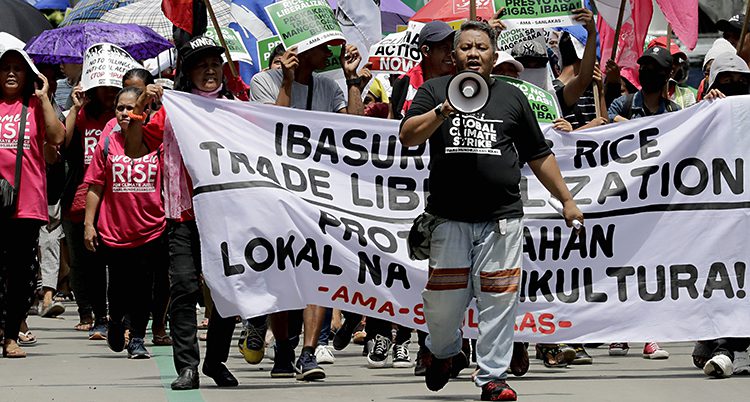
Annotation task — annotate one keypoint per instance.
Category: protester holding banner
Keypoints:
(436, 44)
(730, 76)
(654, 72)
(720, 46)
(26, 104)
(93, 107)
(296, 85)
(682, 96)
(201, 74)
(475, 201)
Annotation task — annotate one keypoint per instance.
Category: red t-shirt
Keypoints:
(32, 198)
(91, 132)
(131, 212)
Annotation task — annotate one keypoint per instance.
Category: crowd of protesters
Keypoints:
(104, 204)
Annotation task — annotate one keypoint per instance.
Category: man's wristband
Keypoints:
(439, 112)
(354, 82)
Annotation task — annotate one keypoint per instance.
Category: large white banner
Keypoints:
(297, 207)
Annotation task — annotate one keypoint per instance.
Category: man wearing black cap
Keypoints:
(656, 67)
(435, 44)
(732, 29)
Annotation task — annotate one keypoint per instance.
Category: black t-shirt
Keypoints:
(475, 159)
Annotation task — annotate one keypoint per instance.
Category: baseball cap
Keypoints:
(673, 48)
(727, 62)
(434, 31)
(530, 49)
(505, 57)
(200, 46)
(732, 24)
(658, 54)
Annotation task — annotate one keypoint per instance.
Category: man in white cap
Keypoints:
(506, 65)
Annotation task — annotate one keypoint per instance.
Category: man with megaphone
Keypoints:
(480, 132)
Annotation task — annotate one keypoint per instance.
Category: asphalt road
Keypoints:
(66, 366)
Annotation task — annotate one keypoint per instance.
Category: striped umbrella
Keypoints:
(148, 13)
(91, 10)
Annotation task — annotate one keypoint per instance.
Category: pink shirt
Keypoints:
(131, 212)
(91, 132)
(32, 199)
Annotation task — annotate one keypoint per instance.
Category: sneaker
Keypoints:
(116, 336)
(378, 356)
(99, 331)
(582, 357)
(283, 363)
(344, 335)
(307, 367)
(437, 373)
(498, 390)
(419, 367)
(401, 358)
(324, 355)
(652, 351)
(253, 343)
(618, 349)
(741, 363)
(720, 366)
(137, 349)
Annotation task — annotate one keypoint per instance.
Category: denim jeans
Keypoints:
(474, 260)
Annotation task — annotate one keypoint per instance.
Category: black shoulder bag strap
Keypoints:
(310, 93)
(19, 148)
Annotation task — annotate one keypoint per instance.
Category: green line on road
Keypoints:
(163, 357)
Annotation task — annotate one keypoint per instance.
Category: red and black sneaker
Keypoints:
(498, 390)
(438, 371)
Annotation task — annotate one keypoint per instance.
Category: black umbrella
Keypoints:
(22, 20)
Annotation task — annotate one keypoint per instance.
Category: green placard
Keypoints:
(543, 103)
(538, 13)
(333, 62)
(264, 49)
(305, 23)
(233, 41)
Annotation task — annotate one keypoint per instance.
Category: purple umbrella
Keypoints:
(67, 45)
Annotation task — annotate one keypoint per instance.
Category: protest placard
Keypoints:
(104, 64)
(305, 23)
(543, 103)
(264, 47)
(234, 43)
(397, 52)
(662, 256)
(507, 39)
(538, 13)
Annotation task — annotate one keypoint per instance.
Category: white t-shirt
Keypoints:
(327, 95)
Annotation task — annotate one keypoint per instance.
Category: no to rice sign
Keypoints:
(305, 23)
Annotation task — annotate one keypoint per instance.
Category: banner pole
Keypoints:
(472, 10)
(215, 23)
(744, 29)
(618, 29)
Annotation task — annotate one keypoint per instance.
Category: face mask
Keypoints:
(733, 88)
(536, 76)
(681, 75)
(652, 81)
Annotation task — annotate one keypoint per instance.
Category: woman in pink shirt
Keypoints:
(127, 195)
(23, 91)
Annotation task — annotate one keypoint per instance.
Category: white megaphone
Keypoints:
(468, 92)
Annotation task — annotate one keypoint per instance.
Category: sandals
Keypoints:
(162, 340)
(203, 324)
(13, 351)
(84, 326)
(26, 339)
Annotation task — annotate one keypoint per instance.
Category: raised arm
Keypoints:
(134, 146)
(578, 85)
(53, 128)
(355, 82)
